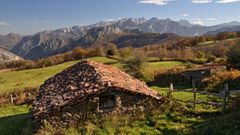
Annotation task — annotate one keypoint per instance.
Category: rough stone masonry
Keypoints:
(91, 87)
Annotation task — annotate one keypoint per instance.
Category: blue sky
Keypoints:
(31, 16)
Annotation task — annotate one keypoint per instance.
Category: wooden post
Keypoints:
(225, 98)
(11, 98)
(194, 94)
(171, 89)
(170, 94)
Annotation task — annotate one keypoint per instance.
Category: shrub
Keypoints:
(134, 67)
(2, 66)
(211, 58)
(15, 64)
(218, 79)
(111, 49)
(99, 51)
(199, 61)
(79, 53)
(233, 56)
(126, 52)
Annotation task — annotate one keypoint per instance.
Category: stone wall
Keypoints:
(126, 103)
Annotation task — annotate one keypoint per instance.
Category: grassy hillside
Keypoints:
(17, 80)
(151, 66)
(10, 81)
(15, 120)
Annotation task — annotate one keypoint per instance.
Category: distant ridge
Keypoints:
(7, 56)
(50, 42)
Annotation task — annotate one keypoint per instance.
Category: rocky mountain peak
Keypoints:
(185, 23)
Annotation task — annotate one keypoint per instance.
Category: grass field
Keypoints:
(18, 80)
(186, 96)
(152, 66)
(8, 110)
(15, 120)
(10, 81)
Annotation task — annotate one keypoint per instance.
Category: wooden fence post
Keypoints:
(170, 93)
(225, 97)
(171, 89)
(194, 94)
(11, 98)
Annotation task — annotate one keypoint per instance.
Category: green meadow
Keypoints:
(18, 80)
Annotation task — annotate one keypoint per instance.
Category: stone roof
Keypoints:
(81, 80)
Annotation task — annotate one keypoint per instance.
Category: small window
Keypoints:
(106, 102)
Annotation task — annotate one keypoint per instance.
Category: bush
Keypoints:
(2, 66)
(134, 67)
(199, 61)
(111, 49)
(79, 53)
(233, 56)
(15, 64)
(218, 79)
(211, 58)
(126, 52)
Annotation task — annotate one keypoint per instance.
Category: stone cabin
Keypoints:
(196, 75)
(200, 73)
(92, 88)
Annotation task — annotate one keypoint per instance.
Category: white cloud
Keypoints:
(201, 1)
(156, 2)
(198, 21)
(3, 23)
(227, 1)
(211, 19)
(185, 15)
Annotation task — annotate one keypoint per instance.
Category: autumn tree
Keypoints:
(222, 36)
(99, 51)
(187, 54)
(201, 39)
(219, 51)
(234, 55)
(79, 53)
(238, 34)
(134, 67)
(111, 49)
(126, 52)
(162, 53)
(208, 38)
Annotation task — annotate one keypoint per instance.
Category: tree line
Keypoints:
(184, 49)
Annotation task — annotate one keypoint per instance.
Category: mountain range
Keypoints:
(123, 32)
(8, 56)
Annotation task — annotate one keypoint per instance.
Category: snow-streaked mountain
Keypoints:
(7, 56)
(8, 41)
(50, 42)
(225, 29)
